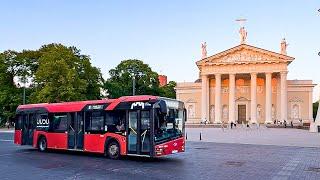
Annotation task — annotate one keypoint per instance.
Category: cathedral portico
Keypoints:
(246, 84)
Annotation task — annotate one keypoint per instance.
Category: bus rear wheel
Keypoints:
(113, 150)
(42, 144)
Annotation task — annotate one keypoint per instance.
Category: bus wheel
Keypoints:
(42, 144)
(113, 150)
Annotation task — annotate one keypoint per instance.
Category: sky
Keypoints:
(165, 34)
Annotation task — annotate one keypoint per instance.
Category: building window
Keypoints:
(225, 90)
(212, 113)
(191, 111)
(259, 89)
(225, 111)
(273, 112)
(295, 112)
(259, 111)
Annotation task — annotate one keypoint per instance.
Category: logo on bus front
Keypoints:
(142, 105)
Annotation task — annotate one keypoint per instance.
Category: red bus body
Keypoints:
(93, 141)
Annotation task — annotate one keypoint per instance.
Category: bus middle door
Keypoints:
(75, 131)
(138, 132)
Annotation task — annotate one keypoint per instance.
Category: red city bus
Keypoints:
(132, 125)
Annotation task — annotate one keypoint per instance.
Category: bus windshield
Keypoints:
(169, 126)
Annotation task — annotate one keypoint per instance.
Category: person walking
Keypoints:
(7, 124)
(285, 123)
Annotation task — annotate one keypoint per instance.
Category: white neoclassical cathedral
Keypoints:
(246, 84)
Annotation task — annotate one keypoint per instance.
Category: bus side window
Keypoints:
(59, 122)
(95, 121)
(115, 121)
(18, 122)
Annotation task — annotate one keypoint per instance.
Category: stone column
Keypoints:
(268, 98)
(283, 96)
(208, 100)
(204, 97)
(217, 99)
(253, 86)
(232, 87)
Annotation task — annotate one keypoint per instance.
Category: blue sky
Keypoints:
(165, 34)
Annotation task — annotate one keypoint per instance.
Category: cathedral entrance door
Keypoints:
(241, 114)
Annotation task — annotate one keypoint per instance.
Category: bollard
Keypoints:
(200, 136)
(186, 136)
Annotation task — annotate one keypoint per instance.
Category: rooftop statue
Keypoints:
(284, 46)
(203, 50)
(243, 35)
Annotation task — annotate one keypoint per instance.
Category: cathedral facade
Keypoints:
(246, 84)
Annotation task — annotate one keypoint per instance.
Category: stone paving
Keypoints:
(202, 160)
(255, 135)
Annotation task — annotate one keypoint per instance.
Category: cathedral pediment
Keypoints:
(245, 54)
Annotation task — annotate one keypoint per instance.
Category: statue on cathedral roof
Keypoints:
(284, 46)
(243, 35)
(203, 50)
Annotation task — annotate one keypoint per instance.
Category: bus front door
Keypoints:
(138, 133)
(75, 131)
(28, 126)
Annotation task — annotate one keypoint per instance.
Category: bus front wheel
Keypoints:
(42, 144)
(113, 150)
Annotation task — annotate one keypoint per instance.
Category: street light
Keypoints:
(133, 75)
(24, 93)
(133, 84)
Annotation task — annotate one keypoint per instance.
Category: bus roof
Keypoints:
(79, 105)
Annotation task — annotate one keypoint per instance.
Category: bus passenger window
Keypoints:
(18, 122)
(115, 121)
(95, 121)
(60, 122)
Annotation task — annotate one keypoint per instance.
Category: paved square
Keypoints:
(254, 135)
(202, 160)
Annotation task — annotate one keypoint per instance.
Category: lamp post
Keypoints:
(318, 112)
(133, 84)
(24, 94)
(133, 75)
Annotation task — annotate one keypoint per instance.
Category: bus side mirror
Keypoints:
(162, 106)
(185, 115)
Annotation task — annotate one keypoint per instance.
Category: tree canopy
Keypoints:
(58, 73)
(121, 78)
(53, 73)
(63, 74)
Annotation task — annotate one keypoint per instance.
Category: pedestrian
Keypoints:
(291, 124)
(285, 123)
(8, 124)
(231, 124)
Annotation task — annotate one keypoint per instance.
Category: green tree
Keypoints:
(121, 79)
(315, 109)
(168, 90)
(10, 94)
(63, 74)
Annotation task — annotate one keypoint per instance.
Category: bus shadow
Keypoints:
(166, 159)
